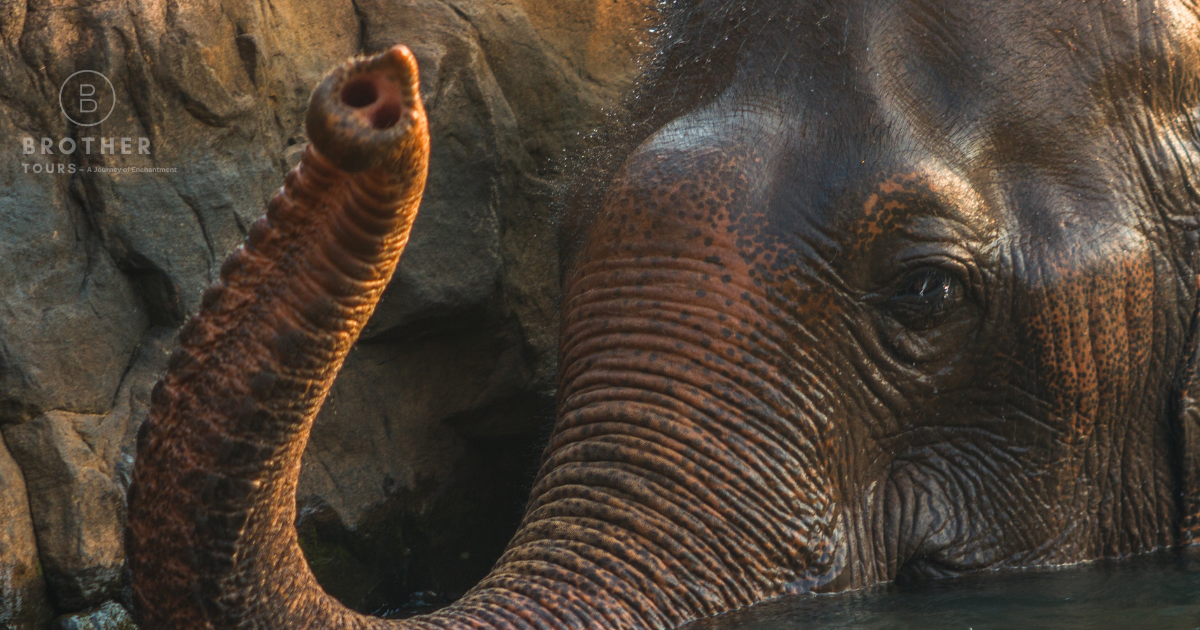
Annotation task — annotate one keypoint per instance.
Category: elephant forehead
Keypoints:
(693, 205)
(1025, 82)
(710, 174)
(692, 210)
(938, 122)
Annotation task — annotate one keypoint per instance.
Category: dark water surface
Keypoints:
(1159, 591)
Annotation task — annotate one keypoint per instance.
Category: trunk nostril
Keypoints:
(360, 93)
(361, 115)
(386, 116)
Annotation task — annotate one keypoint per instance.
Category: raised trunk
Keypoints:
(662, 497)
(211, 538)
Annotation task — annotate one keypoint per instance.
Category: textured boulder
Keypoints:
(23, 604)
(76, 505)
(77, 468)
(417, 467)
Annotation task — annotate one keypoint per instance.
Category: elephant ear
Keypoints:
(1187, 433)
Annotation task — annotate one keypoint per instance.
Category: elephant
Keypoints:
(859, 290)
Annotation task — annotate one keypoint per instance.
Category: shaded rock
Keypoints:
(421, 492)
(77, 468)
(105, 254)
(23, 603)
(107, 616)
(77, 507)
(63, 282)
(56, 276)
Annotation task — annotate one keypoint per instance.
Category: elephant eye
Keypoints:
(924, 298)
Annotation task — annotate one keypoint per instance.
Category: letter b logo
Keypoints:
(87, 98)
(87, 105)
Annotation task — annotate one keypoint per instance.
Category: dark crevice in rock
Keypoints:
(154, 286)
(14, 411)
(198, 213)
(247, 46)
(524, 412)
(363, 22)
(435, 321)
(139, 87)
(424, 547)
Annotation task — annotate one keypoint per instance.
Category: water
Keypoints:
(1158, 591)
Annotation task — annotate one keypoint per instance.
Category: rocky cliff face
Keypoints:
(418, 462)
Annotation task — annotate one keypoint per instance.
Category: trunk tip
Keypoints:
(366, 112)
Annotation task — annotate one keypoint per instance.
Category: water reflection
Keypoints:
(1159, 591)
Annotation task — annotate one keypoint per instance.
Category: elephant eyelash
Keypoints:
(962, 267)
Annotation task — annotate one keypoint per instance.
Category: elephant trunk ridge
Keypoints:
(210, 538)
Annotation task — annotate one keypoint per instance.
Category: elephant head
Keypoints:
(867, 289)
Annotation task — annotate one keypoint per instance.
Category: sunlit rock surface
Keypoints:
(22, 590)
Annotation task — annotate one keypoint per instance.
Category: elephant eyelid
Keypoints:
(968, 275)
(925, 298)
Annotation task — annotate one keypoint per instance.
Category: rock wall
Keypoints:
(419, 462)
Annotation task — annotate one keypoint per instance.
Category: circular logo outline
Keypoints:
(111, 89)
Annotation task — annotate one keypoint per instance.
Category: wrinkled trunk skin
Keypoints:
(665, 494)
(211, 534)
